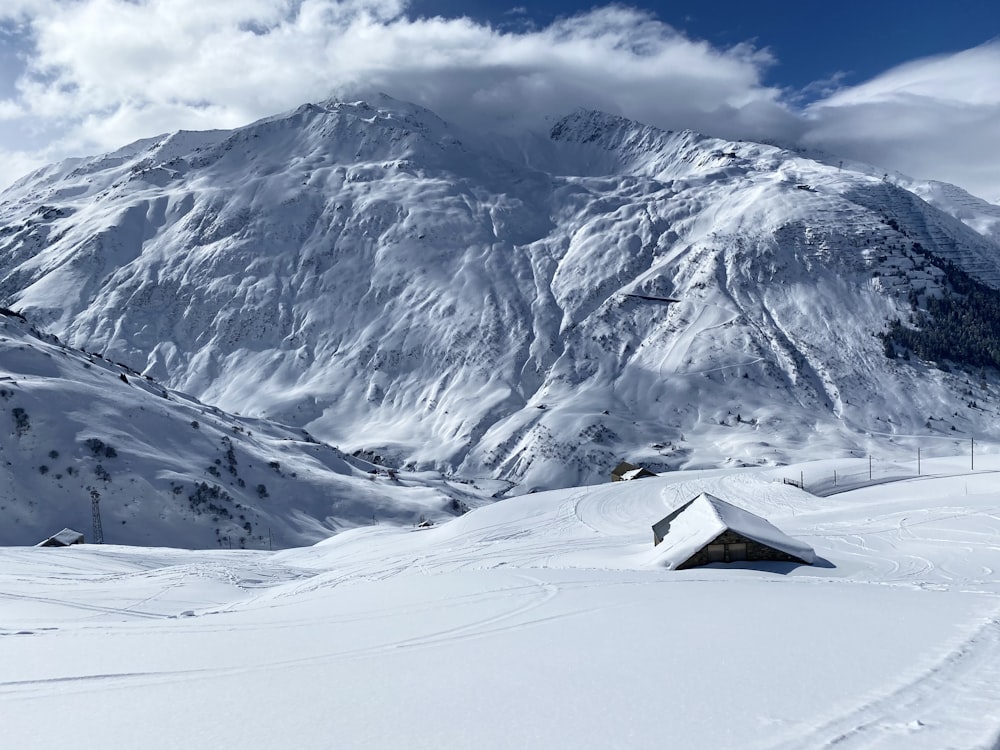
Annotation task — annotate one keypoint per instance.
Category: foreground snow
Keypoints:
(544, 621)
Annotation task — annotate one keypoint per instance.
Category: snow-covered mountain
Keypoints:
(166, 469)
(981, 215)
(499, 308)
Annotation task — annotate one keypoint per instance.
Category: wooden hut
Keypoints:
(625, 471)
(64, 538)
(707, 530)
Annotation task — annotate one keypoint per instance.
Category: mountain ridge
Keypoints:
(458, 302)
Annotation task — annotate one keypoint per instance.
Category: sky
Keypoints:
(907, 85)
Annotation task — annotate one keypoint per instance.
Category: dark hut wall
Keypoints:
(755, 551)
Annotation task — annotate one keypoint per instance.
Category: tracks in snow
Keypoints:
(955, 704)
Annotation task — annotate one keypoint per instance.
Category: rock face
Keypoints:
(500, 308)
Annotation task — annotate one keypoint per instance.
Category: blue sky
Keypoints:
(908, 85)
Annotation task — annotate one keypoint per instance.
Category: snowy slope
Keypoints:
(981, 215)
(167, 469)
(455, 302)
(544, 621)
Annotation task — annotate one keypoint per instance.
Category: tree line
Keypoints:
(962, 326)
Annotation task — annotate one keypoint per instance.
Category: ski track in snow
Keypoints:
(896, 632)
(919, 713)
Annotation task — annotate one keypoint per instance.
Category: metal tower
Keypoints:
(95, 499)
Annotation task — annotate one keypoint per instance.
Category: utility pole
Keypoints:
(95, 506)
(918, 461)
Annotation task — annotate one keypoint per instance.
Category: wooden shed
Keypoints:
(707, 529)
(64, 538)
(625, 471)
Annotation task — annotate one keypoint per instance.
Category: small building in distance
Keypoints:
(706, 530)
(64, 538)
(625, 471)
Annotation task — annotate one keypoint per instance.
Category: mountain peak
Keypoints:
(636, 147)
(595, 126)
(354, 268)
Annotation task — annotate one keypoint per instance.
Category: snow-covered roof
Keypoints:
(622, 467)
(632, 473)
(690, 527)
(64, 538)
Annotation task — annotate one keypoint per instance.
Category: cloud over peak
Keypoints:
(100, 73)
(936, 118)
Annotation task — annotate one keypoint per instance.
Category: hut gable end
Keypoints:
(735, 548)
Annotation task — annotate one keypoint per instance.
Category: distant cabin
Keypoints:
(625, 471)
(64, 538)
(707, 530)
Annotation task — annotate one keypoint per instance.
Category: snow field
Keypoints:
(542, 621)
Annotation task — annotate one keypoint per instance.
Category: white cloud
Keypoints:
(10, 110)
(937, 118)
(19, 10)
(101, 73)
(19, 163)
